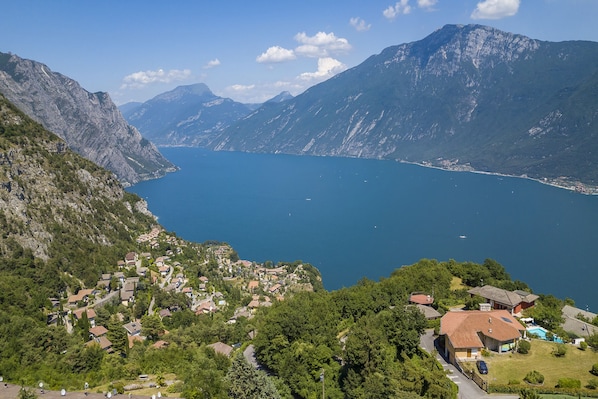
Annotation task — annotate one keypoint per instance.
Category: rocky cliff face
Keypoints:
(51, 197)
(470, 97)
(90, 123)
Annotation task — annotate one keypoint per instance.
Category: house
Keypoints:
(421, 298)
(578, 321)
(205, 307)
(103, 342)
(160, 344)
(98, 331)
(222, 348)
(465, 333)
(131, 258)
(429, 312)
(253, 285)
(274, 288)
(91, 315)
(80, 296)
(498, 298)
(133, 328)
(164, 313)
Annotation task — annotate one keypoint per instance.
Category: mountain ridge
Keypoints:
(90, 123)
(466, 97)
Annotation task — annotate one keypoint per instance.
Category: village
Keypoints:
(264, 285)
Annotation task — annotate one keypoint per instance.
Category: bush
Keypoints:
(594, 369)
(583, 345)
(529, 394)
(592, 383)
(567, 382)
(514, 382)
(524, 347)
(560, 350)
(534, 377)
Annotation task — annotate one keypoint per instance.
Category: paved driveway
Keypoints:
(467, 388)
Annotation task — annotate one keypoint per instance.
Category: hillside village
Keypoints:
(161, 260)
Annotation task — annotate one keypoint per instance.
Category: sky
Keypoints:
(250, 50)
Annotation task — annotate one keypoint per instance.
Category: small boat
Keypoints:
(462, 237)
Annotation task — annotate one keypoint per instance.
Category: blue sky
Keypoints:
(251, 50)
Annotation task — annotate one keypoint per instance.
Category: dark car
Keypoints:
(482, 367)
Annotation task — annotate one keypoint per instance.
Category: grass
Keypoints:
(513, 367)
(457, 283)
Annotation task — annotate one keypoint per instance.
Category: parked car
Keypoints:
(482, 367)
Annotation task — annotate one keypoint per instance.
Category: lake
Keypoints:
(354, 218)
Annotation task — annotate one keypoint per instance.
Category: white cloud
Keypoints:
(327, 67)
(276, 54)
(141, 79)
(321, 44)
(359, 24)
(212, 63)
(241, 88)
(495, 9)
(400, 7)
(427, 4)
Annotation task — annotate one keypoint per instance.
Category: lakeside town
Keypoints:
(146, 265)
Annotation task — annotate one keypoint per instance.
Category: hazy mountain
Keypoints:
(90, 123)
(283, 96)
(188, 115)
(465, 97)
(129, 107)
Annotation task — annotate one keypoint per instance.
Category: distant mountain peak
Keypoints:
(283, 96)
(179, 92)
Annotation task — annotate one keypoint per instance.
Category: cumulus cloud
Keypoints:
(212, 63)
(322, 44)
(359, 24)
(141, 79)
(400, 7)
(276, 54)
(495, 9)
(327, 67)
(427, 4)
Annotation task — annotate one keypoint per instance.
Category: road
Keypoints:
(467, 388)
(10, 391)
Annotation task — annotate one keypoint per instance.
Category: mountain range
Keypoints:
(466, 97)
(188, 115)
(90, 123)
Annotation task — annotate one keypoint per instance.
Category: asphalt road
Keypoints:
(467, 388)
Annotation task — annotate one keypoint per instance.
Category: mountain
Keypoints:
(59, 212)
(283, 96)
(465, 97)
(188, 115)
(129, 107)
(90, 123)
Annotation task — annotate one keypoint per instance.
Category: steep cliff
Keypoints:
(90, 123)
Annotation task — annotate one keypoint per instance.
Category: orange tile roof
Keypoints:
(464, 328)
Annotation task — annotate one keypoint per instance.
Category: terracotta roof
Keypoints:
(79, 312)
(463, 328)
(422, 299)
(98, 331)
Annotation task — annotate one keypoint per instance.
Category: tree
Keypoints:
(245, 382)
(151, 327)
(26, 393)
(529, 394)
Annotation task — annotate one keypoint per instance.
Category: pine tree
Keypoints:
(245, 382)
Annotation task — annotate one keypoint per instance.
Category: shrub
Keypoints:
(529, 394)
(534, 377)
(567, 382)
(514, 382)
(583, 345)
(592, 383)
(524, 347)
(560, 350)
(594, 369)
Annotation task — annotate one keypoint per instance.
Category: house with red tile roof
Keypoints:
(465, 333)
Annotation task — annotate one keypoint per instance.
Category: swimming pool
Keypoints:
(541, 333)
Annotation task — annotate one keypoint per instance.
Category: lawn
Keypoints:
(513, 367)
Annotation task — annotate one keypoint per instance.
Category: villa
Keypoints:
(465, 333)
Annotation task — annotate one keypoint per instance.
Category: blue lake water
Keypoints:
(355, 218)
